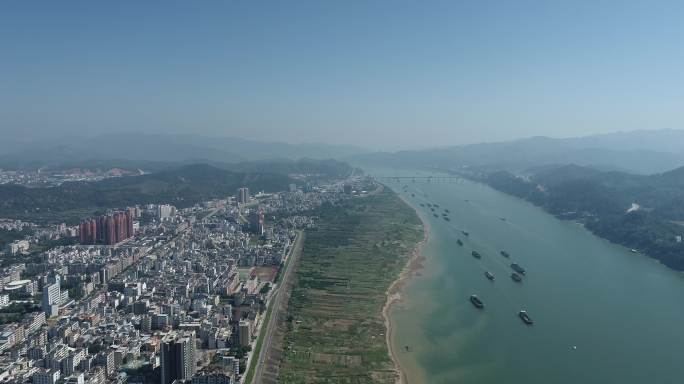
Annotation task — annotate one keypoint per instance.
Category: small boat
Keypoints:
(413, 195)
(525, 317)
(502, 218)
(505, 254)
(422, 205)
(476, 301)
(476, 254)
(447, 218)
(465, 233)
(634, 250)
(459, 242)
(516, 277)
(435, 205)
(432, 209)
(516, 267)
(489, 275)
(447, 211)
(435, 215)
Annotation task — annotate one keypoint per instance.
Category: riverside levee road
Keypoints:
(266, 369)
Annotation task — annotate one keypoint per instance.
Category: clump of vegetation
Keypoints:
(8, 236)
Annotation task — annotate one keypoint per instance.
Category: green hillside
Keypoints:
(602, 201)
(182, 187)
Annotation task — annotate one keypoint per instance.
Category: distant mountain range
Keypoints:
(150, 150)
(641, 152)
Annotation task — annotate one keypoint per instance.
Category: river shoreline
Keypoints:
(413, 265)
(452, 342)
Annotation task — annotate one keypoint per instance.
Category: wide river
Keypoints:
(602, 314)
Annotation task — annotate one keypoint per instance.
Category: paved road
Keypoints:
(276, 305)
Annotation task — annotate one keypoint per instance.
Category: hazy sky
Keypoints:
(385, 74)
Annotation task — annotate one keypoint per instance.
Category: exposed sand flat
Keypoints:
(413, 265)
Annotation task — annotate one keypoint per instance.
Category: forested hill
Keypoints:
(182, 187)
(642, 212)
(312, 167)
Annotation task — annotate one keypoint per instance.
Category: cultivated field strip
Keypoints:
(334, 330)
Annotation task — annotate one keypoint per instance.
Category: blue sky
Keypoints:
(383, 74)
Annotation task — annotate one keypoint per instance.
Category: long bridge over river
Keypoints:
(419, 179)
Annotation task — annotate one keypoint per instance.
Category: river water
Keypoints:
(602, 314)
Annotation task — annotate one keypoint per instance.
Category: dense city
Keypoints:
(150, 294)
(59, 176)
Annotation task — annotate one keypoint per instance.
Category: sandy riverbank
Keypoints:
(413, 265)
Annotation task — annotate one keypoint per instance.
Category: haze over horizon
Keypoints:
(653, 141)
(381, 75)
(350, 191)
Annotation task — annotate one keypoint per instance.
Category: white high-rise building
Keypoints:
(18, 246)
(242, 195)
(52, 296)
(165, 211)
